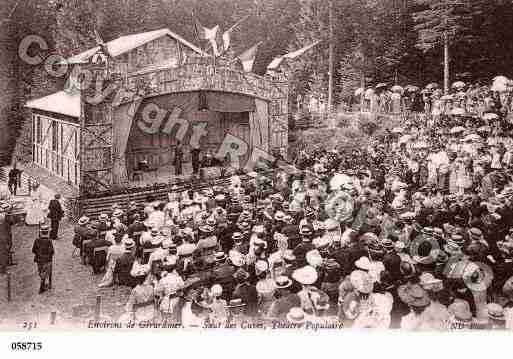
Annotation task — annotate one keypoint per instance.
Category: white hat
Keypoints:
(363, 263)
(361, 281)
(314, 258)
(306, 275)
(236, 258)
(261, 266)
(83, 220)
(216, 290)
(296, 316)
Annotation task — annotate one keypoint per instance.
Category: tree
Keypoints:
(443, 22)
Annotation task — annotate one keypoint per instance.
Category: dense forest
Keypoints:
(393, 41)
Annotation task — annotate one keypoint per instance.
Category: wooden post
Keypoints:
(8, 286)
(53, 316)
(331, 60)
(446, 63)
(98, 307)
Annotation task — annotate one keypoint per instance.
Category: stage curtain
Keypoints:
(122, 119)
(259, 125)
(228, 102)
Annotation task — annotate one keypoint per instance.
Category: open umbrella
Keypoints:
(473, 137)
(358, 91)
(490, 116)
(432, 86)
(458, 85)
(381, 85)
(458, 111)
(420, 145)
(500, 78)
(411, 88)
(397, 89)
(397, 130)
(484, 129)
(457, 129)
(500, 87)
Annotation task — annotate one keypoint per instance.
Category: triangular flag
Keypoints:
(275, 63)
(227, 33)
(211, 35)
(278, 61)
(247, 58)
(297, 53)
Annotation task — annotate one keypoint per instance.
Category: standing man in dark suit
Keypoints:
(55, 213)
(178, 159)
(43, 256)
(14, 177)
(5, 237)
(195, 158)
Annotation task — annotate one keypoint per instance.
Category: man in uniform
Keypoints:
(43, 255)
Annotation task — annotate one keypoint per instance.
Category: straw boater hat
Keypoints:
(363, 263)
(237, 236)
(44, 231)
(117, 213)
(220, 256)
(296, 315)
(103, 217)
(83, 221)
(282, 282)
(495, 312)
(306, 275)
(429, 282)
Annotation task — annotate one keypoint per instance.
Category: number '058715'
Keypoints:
(26, 346)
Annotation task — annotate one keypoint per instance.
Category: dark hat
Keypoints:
(241, 275)
(413, 295)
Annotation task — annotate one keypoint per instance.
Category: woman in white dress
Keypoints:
(35, 210)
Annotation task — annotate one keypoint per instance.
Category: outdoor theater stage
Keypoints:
(165, 92)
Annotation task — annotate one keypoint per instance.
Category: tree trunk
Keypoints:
(331, 59)
(446, 64)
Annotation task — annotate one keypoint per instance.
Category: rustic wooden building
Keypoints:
(92, 134)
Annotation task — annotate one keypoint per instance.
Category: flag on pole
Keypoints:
(210, 35)
(278, 61)
(297, 53)
(227, 33)
(247, 58)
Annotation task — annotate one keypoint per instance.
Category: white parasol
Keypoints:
(458, 111)
(458, 85)
(474, 137)
(490, 116)
(457, 129)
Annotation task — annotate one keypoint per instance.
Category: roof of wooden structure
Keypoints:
(62, 102)
(127, 43)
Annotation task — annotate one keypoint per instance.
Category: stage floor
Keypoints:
(163, 174)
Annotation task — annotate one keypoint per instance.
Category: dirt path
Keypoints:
(73, 284)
